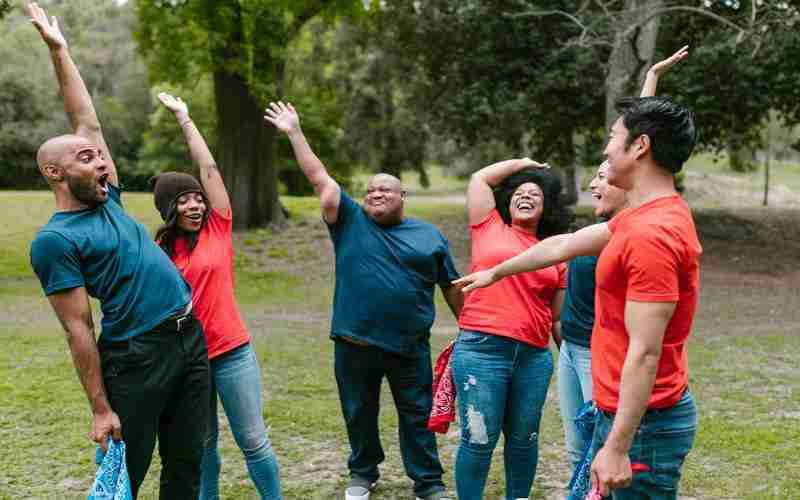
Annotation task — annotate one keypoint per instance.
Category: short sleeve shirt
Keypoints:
(109, 253)
(519, 306)
(577, 314)
(209, 270)
(653, 256)
(385, 279)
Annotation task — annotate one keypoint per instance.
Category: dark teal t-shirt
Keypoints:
(109, 253)
(386, 278)
(577, 313)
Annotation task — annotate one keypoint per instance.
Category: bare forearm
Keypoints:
(312, 167)
(636, 386)
(454, 299)
(556, 332)
(650, 84)
(198, 149)
(77, 101)
(548, 252)
(495, 173)
(87, 364)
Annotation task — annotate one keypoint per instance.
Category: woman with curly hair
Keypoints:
(197, 236)
(501, 361)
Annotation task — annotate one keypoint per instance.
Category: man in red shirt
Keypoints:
(647, 290)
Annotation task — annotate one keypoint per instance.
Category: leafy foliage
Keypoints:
(100, 40)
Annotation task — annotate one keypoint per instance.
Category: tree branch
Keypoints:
(683, 8)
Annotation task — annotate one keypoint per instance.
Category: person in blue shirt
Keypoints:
(147, 375)
(577, 321)
(387, 267)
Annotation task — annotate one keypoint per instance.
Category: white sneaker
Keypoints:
(358, 489)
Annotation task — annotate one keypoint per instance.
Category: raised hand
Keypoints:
(661, 67)
(48, 29)
(479, 279)
(174, 104)
(283, 116)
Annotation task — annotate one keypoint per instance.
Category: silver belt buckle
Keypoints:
(179, 321)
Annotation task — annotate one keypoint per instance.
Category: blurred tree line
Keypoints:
(392, 85)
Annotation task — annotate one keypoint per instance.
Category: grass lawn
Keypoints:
(743, 364)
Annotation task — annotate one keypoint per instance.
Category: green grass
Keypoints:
(743, 366)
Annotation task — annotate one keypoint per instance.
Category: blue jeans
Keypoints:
(574, 389)
(663, 440)
(359, 374)
(502, 385)
(236, 377)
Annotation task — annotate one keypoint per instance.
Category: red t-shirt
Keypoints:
(518, 306)
(653, 256)
(209, 271)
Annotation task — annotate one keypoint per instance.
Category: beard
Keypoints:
(84, 190)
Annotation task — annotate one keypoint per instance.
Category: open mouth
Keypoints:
(195, 217)
(525, 206)
(102, 181)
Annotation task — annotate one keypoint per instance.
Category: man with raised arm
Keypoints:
(387, 266)
(577, 314)
(147, 375)
(648, 278)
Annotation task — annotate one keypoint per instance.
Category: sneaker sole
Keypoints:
(348, 496)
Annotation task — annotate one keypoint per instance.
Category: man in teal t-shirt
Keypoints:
(387, 269)
(148, 375)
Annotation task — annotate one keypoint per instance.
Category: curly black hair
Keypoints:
(556, 217)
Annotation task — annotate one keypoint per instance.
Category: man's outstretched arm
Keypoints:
(285, 118)
(77, 101)
(551, 251)
(661, 67)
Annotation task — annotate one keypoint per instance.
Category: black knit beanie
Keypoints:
(167, 187)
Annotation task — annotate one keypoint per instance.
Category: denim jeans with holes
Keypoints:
(502, 385)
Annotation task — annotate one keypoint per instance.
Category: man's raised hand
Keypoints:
(661, 67)
(283, 116)
(51, 34)
(174, 104)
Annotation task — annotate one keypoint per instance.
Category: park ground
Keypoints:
(744, 368)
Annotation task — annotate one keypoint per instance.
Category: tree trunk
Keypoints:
(632, 55)
(246, 153)
(570, 191)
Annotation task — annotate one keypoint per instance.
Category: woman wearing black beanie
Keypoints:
(197, 236)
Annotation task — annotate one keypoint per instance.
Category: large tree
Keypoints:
(99, 33)
(243, 45)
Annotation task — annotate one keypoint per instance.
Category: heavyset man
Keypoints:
(148, 374)
(387, 266)
(647, 291)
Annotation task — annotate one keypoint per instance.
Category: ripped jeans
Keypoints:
(502, 385)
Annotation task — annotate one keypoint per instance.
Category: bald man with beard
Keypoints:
(147, 375)
(387, 268)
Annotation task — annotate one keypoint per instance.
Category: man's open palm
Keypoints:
(48, 28)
